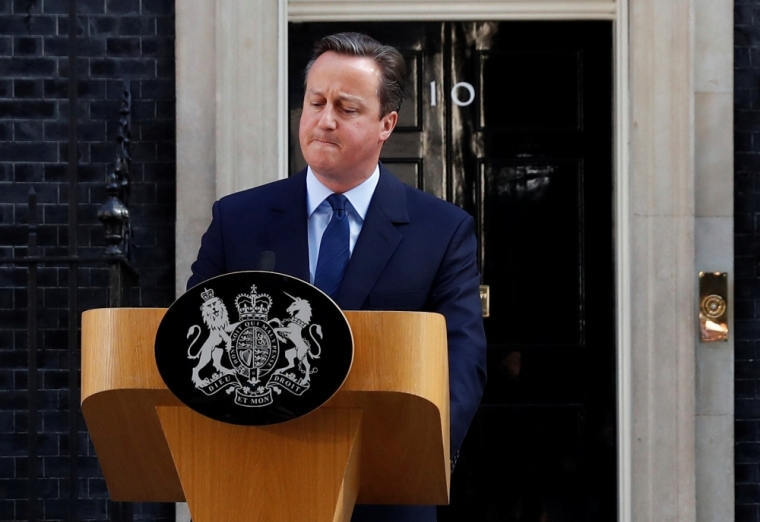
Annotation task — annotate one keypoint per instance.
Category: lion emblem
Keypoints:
(217, 320)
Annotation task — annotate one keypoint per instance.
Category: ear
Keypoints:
(388, 123)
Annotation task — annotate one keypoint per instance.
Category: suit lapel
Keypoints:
(288, 230)
(377, 241)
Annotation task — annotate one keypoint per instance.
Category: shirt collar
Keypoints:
(359, 196)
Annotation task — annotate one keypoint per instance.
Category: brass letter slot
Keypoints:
(713, 306)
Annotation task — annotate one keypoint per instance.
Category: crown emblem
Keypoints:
(207, 294)
(253, 306)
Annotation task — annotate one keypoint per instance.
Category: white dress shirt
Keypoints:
(320, 212)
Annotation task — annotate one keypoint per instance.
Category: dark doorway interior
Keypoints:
(513, 122)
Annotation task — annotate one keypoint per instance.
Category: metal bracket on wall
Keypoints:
(713, 306)
(485, 300)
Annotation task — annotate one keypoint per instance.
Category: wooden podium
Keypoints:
(382, 439)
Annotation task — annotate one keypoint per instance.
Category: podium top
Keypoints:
(399, 380)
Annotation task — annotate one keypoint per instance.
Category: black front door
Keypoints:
(513, 122)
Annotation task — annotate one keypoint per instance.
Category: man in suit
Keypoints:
(404, 249)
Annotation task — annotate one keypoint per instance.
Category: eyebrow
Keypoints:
(341, 97)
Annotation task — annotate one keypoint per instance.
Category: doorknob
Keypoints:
(713, 306)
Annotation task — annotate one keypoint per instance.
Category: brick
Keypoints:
(7, 467)
(27, 46)
(8, 511)
(746, 513)
(28, 152)
(138, 26)
(123, 46)
(165, 110)
(749, 244)
(28, 131)
(166, 152)
(747, 409)
(6, 88)
(86, 131)
(14, 488)
(56, 6)
(63, 25)
(96, 488)
(13, 445)
(91, 6)
(165, 25)
(746, 474)
(82, 67)
(25, 7)
(27, 88)
(21, 380)
(55, 380)
(56, 421)
(59, 46)
(157, 46)
(133, 68)
(741, 58)
(744, 309)
(93, 173)
(56, 173)
(122, 26)
(6, 295)
(165, 66)
(159, 7)
(102, 25)
(85, 89)
(107, 110)
(123, 6)
(746, 493)
(27, 109)
(18, 25)
(746, 330)
(745, 223)
(27, 67)
(83, 110)
(157, 89)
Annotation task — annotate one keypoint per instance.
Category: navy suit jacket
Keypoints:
(415, 252)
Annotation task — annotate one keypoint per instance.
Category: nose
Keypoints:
(327, 118)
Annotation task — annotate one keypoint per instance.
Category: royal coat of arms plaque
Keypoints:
(254, 348)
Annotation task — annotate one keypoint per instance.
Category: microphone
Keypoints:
(266, 261)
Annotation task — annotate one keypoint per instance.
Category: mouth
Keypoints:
(324, 141)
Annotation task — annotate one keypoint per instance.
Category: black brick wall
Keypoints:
(747, 257)
(118, 39)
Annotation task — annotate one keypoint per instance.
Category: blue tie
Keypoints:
(333, 250)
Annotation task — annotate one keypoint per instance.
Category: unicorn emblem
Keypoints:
(300, 317)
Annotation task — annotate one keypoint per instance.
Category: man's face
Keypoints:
(341, 131)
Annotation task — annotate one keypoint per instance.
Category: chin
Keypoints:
(321, 165)
(326, 171)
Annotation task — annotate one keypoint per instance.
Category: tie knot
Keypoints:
(337, 201)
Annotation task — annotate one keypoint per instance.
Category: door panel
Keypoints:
(512, 121)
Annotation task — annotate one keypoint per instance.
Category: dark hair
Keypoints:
(392, 65)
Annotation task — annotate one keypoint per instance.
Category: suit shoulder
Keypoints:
(261, 194)
(424, 204)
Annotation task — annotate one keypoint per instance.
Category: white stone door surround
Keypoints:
(673, 215)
